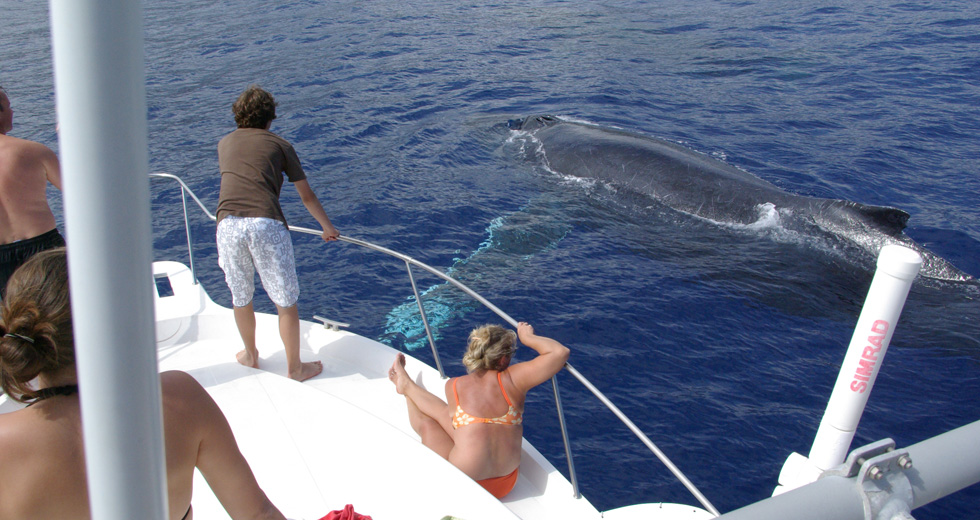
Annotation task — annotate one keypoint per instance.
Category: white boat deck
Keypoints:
(340, 438)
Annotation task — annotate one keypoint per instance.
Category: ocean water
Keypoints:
(721, 342)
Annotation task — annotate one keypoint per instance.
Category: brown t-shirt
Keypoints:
(252, 161)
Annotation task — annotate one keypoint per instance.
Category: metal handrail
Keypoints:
(409, 262)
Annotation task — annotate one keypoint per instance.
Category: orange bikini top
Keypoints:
(461, 418)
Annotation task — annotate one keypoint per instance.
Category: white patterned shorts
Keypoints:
(246, 245)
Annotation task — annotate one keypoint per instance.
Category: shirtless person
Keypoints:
(27, 225)
(252, 234)
(41, 451)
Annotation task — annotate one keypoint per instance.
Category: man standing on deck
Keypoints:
(27, 225)
(252, 233)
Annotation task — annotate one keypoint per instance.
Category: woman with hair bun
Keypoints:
(41, 449)
(481, 428)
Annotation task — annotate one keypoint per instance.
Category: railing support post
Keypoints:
(187, 230)
(425, 320)
(572, 477)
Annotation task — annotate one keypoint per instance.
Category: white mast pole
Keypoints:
(897, 268)
(99, 85)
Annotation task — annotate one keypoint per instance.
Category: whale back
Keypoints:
(681, 178)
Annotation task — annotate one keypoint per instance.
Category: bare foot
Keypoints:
(307, 370)
(398, 375)
(247, 359)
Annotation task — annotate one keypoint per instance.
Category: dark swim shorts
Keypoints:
(15, 254)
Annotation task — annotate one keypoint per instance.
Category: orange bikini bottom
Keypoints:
(500, 486)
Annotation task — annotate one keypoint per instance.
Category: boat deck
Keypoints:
(340, 438)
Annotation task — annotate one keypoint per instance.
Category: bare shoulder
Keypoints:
(20, 155)
(44, 155)
(181, 391)
(57, 427)
(178, 382)
(9, 427)
(39, 147)
(25, 146)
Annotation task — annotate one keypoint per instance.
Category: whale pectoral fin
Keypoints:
(892, 220)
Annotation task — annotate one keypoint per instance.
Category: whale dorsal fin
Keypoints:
(888, 218)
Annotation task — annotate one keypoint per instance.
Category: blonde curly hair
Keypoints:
(488, 345)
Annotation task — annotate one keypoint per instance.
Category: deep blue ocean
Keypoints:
(721, 342)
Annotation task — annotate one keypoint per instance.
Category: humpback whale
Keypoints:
(697, 184)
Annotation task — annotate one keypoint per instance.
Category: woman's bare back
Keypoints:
(43, 461)
(486, 450)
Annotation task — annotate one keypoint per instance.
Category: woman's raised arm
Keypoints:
(551, 358)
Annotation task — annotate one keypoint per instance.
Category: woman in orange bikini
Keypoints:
(480, 431)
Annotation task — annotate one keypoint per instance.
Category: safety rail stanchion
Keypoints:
(184, 191)
(425, 320)
(572, 477)
(187, 230)
(161, 175)
(643, 438)
(409, 261)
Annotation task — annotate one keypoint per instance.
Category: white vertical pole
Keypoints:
(99, 86)
(897, 268)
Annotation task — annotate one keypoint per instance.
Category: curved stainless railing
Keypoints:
(409, 262)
